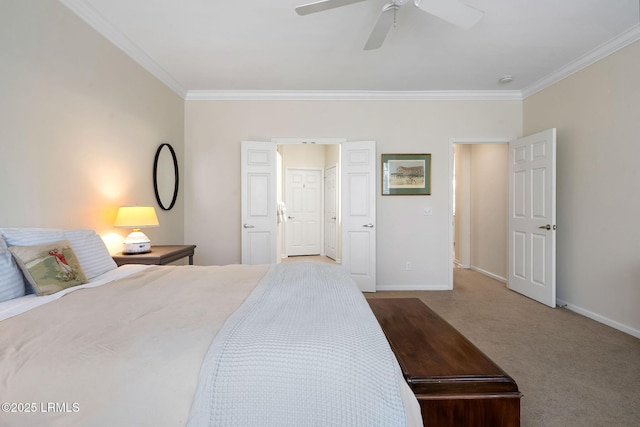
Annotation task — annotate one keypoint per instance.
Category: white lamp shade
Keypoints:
(136, 217)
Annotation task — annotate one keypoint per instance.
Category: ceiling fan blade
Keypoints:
(452, 11)
(382, 27)
(320, 6)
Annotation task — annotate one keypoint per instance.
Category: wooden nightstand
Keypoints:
(159, 255)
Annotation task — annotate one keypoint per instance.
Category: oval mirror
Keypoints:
(165, 176)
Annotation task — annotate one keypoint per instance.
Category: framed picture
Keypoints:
(406, 174)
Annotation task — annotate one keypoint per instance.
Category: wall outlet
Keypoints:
(428, 211)
(407, 266)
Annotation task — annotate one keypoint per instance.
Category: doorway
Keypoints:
(303, 201)
(312, 203)
(530, 241)
(478, 209)
(261, 210)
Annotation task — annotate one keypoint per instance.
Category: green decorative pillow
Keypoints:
(49, 267)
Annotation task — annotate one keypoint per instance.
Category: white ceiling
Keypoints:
(263, 45)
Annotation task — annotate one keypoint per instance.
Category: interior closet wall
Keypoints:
(489, 195)
(462, 212)
(481, 208)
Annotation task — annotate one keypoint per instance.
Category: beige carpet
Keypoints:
(572, 371)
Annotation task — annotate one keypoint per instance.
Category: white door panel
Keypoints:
(330, 213)
(532, 216)
(304, 209)
(258, 176)
(359, 212)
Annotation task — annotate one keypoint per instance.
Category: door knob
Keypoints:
(546, 227)
(368, 225)
(291, 217)
(247, 226)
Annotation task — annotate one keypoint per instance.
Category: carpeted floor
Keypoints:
(572, 371)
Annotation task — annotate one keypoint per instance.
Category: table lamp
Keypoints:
(136, 217)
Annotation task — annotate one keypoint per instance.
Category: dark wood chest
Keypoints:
(455, 383)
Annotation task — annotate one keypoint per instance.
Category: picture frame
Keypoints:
(406, 174)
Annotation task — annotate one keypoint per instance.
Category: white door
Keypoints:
(303, 198)
(258, 171)
(330, 213)
(532, 217)
(358, 181)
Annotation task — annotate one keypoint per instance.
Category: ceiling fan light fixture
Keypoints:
(452, 11)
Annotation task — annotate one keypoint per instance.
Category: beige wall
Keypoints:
(597, 114)
(79, 125)
(303, 156)
(214, 130)
(489, 195)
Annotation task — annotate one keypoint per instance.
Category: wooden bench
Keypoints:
(455, 383)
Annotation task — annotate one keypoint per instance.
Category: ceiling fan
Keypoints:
(452, 11)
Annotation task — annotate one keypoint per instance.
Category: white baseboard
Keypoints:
(460, 265)
(489, 274)
(598, 318)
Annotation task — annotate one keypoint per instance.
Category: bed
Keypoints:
(287, 344)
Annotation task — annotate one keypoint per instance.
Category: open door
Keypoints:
(532, 217)
(358, 181)
(258, 171)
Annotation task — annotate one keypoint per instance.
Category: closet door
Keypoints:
(258, 215)
(358, 180)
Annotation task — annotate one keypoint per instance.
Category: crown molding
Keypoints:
(107, 30)
(274, 95)
(630, 36)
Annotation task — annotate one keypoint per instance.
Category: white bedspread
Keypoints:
(127, 353)
(303, 350)
(23, 304)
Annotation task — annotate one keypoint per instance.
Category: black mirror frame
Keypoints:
(155, 177)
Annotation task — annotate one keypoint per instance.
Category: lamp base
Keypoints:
(136, 243)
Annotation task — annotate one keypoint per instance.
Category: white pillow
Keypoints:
(91, 251)
(11, 282)
(89, 248)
